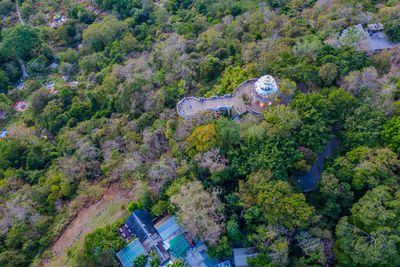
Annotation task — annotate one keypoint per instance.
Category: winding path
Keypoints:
(19, 13)
(23, 68)
(21, 63)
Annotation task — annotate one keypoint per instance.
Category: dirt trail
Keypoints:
(103, 212)
(19, 14)
(23, 68)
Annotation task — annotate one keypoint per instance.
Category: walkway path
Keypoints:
(21, 63)
(19, 13)
(189, 106)
(23, 68)
(308, 180)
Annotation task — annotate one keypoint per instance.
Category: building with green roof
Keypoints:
(178, 246)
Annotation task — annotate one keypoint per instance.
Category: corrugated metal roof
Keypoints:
(178, 246)
(167, 228)
(141, 224)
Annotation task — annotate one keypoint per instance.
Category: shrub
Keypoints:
(381, 62)
(392, 29)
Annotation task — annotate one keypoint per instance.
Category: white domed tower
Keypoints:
(265, 91)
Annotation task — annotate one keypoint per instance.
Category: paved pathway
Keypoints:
(19, 14)
(21, 63)
(189, 106)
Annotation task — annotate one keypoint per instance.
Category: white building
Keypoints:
(265, 90)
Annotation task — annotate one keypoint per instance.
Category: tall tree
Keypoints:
(363, 127)
(391, 134)
(204, 138)
(365, 168)
(273, 242)
(343, 103)
(370, 235)
(316, 113)
(199, 211)
(98, 35)
(101, 244)
(281, 120)
(274, 202)
(334, 196)
(276, 154)
(20, 41)
(229, 132)
(328, 73)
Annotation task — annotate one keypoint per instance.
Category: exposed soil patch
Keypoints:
(101, 213)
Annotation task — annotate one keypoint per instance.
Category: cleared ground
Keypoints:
(97, 215)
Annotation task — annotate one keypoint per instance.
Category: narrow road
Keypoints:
(19, 13)
(22, 65)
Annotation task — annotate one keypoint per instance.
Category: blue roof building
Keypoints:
(139, 223)
(166, 238)
(168, 228)
(128, 254)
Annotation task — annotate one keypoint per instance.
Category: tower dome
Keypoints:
(265, 90)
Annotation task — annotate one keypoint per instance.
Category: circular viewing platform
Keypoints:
(241, 100)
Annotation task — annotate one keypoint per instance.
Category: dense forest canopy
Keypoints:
(101, 81)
